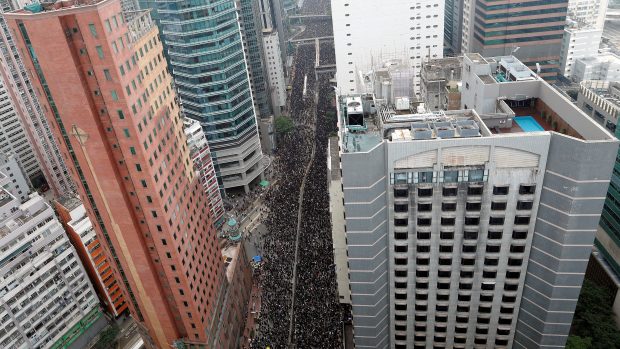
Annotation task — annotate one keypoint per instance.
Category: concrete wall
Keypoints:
(574, 187)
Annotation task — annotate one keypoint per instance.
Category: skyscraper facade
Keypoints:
(105, 86)
(531, 31)
(251, 29)
(472, 227)
(369, 34)
(26, 106)
(453, 26)
(207, 58)
(47, 299)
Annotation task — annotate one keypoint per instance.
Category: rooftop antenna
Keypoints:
(514, 49)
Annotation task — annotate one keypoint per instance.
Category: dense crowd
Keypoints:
(327, 54)
(316, 313)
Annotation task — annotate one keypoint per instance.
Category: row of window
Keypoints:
(451, 221)
(452, 176)
(524, 189)
(466, 249)
(467, 235)
(491, 261)
(469, 206)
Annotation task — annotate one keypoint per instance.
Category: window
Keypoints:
(122, 70)
(517, 248)
(467, 274)
(527, 189)
(425, 192)
(422, 235)
(445, 248)
(472, 220)
(449, 191)
(93, 30)
(425, 207)
(401, 208)
(503, 190)
(470, 235)
(493, 248)
(107, 25)
(468, 261)
(400, 261)
(522, 220)
(424, 222)
(489, 274)
(423, 248)
(448, 206)
(138, 168)
(498, 206)
(476, 175)
(473, 206)
(400, 236)
(476, 191)
(401, 193)
(421, 273)
(107, 74)
(524, 205)
(514, 262)
(143, 182)
(448, 221)
(401, 222)
(450, 176)
(120, 114)
(400, 249)
(425, 177)
(446, 235)
(518, 234)
(132, 150)
(496, 220)
(114, 95)
(99, 51)
(401, 273)
(126, 132)
(469, 248)
(445, 261)
(491, 261)
(494, 235)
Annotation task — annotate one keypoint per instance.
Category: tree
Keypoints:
(107, 338)
(576, 342)
(594, 318)
(283, 124)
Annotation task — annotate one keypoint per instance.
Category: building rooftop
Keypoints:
(442, 68)
(508, 98)
(609, 91)
(69, 202)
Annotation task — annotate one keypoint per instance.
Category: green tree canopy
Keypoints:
(594, 319)
(283, 124)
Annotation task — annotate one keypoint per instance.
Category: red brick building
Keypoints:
(103, 82)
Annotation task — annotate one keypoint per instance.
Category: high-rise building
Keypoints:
(583, 32)
(589, 13)
(203, 163)
(16, 183)
(47, 298)
(453, 26)
(604, 66)
(26, 106)
(14, 140)
(578, 42)
(212, 81)
(272, 53)
(249, 17)
(369, 33)
(72, 214)
(472, 227)
(531, 31)
(105, 88)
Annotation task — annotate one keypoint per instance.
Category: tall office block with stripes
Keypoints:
(105, 88)
(470, 228)
(532, 30)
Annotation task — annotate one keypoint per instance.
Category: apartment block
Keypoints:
(72, 214)
(532, 31)
(453, 26)
(46, 296)
(203, 163)
(14, 139)
(441, 83)
(105, 88)
(28, 110)
(16, 183)
(272, 54)
(472, 227)
(578, 42)
(213, 83)
(604, 66)
(368, 33)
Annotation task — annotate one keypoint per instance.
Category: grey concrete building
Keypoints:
(471, 228)
(440, 81)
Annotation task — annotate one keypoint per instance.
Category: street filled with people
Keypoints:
(299, 301)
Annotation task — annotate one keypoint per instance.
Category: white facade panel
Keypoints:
(368, 32)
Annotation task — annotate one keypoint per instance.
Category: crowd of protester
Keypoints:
(317, 318)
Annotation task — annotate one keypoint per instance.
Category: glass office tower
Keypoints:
(206, 55)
